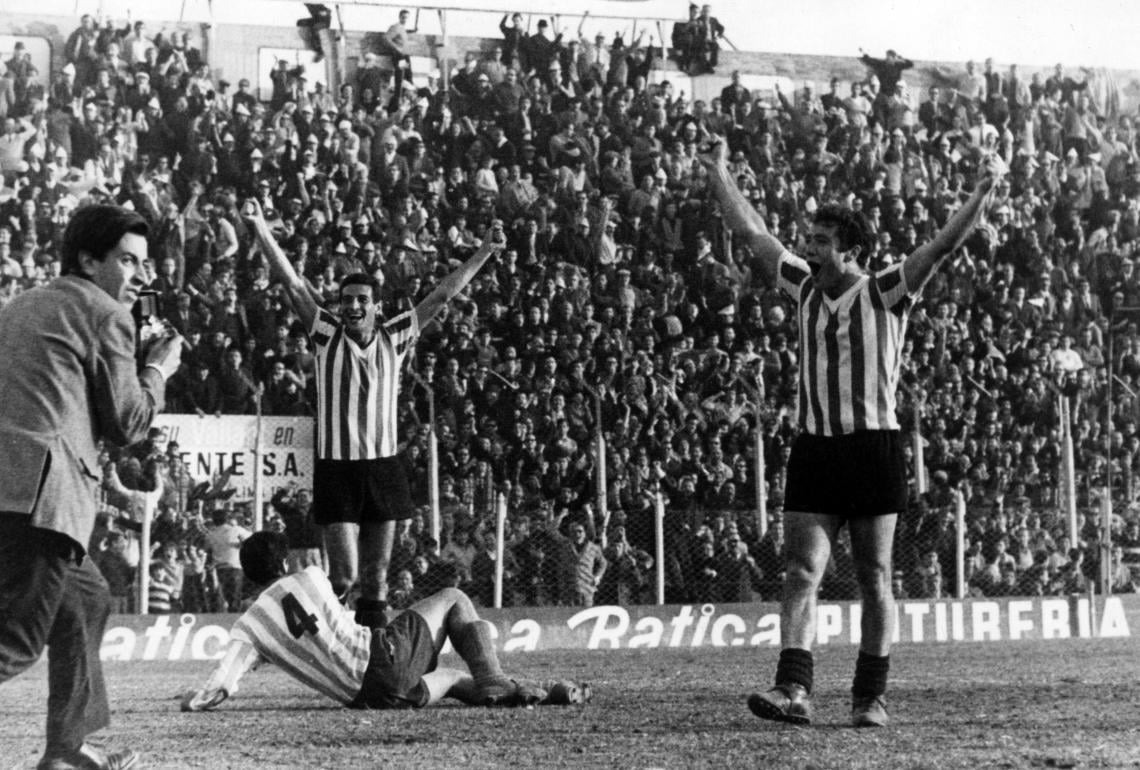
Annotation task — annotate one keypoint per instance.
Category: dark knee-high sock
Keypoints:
(870, 675)
(796, 666)
(370, 612)
(475, 645)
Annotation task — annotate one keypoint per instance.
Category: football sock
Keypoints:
(870, 675)
(370, 612)
(474, 644)
(796, 666)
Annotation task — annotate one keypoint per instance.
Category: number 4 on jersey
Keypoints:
(296, 619)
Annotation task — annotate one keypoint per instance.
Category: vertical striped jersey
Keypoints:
(850, 348)
(357, 387)
(298, 624)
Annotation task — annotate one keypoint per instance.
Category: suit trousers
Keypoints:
(51, 595)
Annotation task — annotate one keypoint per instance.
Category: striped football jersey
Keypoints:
(850, 348)
(357, 387)
(299, 624)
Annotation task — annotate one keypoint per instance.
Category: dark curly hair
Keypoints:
(97, 230)
(850, 228)
(262, 555)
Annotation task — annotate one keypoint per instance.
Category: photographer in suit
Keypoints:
(71, 379)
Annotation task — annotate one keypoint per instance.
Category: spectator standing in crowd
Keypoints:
(888, 70)
(514, 34)
(199, 580)
(110, 556)
(851, 430)
(164, 591)
(684, 40)
(734, 95)
(581, 562)
(360, 486)
(540, 50)
(396, 40)
(225, 541)
(706, 40)
(70, 379)
(295, 507)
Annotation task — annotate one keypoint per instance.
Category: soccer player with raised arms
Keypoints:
(847, 464)
(360, 488)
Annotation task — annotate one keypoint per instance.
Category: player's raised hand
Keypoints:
(713, 153)
(254, 216)
(251, 212)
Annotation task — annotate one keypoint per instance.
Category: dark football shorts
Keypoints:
(856, 474)
(361, 491)
(402, 652)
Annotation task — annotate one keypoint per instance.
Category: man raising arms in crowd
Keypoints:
(852, 326)
(360, 488)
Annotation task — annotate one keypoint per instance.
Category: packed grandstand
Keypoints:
(621, 307)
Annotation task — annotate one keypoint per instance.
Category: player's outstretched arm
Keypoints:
(739, 216)
(240, 657)
(279, 265)
(455, 281)
(923, 261)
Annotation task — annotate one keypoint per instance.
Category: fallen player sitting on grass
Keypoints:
(299, 624)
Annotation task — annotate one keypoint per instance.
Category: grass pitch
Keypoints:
(1070, 703)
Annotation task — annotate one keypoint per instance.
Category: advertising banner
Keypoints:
(522, 629)
(212, 445)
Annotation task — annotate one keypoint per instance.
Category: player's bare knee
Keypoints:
(874, 580)
(460, 609)
(802, 573)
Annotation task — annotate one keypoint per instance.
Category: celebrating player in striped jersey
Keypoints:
(847, 464)
(360, 489)
(299, 624)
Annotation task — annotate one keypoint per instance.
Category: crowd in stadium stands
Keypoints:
(620, 298)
